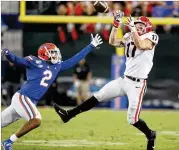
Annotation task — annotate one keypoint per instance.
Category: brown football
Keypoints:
(101, 6)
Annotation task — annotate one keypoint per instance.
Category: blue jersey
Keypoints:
(41, 74)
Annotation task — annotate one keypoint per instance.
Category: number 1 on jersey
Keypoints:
(129, 45)
(48, 76)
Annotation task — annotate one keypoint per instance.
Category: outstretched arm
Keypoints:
(76, 58)
(79, 56)
(142, 44)
(113, 40)
(16, 59)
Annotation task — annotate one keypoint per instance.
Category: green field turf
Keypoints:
(97, 130)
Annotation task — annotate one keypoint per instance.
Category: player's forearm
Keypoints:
(141, 44)
(114, 40)
(11, 57)
(75, 59)
(137, 41)
(15, 59)
(113, 35)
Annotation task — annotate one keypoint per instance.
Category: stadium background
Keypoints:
(23, 36)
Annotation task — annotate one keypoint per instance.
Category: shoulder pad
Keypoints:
(30, 58)
(152, 36)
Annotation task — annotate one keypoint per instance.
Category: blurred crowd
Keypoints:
(12, 76)
(150, 9)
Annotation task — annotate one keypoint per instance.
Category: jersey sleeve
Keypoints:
(126, 36)
(31, 60)
(153, 37)
(24, 62)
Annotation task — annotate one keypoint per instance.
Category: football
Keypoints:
(101, 6)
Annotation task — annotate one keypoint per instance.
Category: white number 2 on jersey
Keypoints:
(48, 76)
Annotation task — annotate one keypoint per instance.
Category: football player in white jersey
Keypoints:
(139, 46)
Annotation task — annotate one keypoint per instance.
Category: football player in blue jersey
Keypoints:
(41, 71)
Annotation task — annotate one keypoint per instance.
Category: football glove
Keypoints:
(96, 41)
(130, 24)
(117, 18)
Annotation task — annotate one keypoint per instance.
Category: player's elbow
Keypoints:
(111, 42)
(141, 46)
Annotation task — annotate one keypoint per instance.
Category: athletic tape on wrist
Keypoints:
(116, 24)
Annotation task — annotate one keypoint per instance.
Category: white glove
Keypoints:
(130, 24)
(118, 14)
(97, 40)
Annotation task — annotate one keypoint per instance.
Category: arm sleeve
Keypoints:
(153, 37)
(76, 58)
(19, 61)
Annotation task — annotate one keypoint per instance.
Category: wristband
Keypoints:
(116, 24)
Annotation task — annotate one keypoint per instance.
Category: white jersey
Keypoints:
(139, 62)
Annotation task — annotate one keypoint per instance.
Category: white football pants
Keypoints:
(21, 107)
(124, 86)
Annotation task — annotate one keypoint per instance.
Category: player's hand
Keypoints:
(4, 51)
(96, 41)
(118, 14)
(130, 23)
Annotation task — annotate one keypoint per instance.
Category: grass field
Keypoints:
(97, 130)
